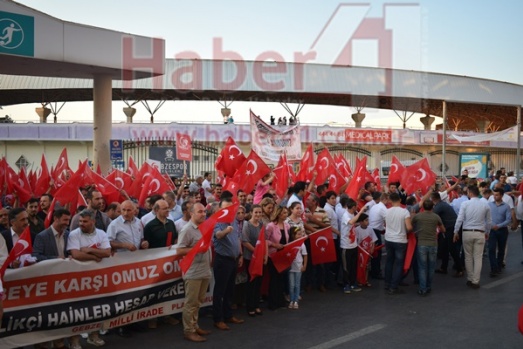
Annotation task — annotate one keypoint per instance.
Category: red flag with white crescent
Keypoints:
(258, 256)
(22, 246)
(322, 246)
(225, 215)
(283, 258)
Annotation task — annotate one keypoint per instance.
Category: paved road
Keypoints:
(453, 316)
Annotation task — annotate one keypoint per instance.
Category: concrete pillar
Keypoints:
(427, 121)
(43, 113)
(129, 112)
(358, 118)
(102, 121)
(482, 125)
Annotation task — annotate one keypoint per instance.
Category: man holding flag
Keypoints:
(196, 278)
(228, 258)
(19, 232)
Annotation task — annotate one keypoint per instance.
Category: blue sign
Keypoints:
(17, 34)
(116, 149)
(168, 162)
(476, 164)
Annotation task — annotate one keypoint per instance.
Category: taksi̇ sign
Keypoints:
(16, 34)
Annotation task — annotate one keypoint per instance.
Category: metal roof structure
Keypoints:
(469, 100)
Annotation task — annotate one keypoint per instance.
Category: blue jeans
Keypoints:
(497, 240)
(394, 264)
(427, 256)
(294, 285)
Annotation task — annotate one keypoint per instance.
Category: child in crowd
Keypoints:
(297, 267)
(366, 240)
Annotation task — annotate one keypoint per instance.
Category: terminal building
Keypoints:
(36, 69)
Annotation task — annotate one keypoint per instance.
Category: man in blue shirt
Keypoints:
(474, 216)
(228, 256)
(501, 218)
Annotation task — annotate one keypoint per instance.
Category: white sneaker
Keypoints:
(96, 341)
(291, 305)
(296, 305)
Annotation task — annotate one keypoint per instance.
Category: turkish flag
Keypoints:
(61, 168)
(452, 194)
(306, 165)
(364, 249)
(154, 184)
(139, 179)
(31, 177)
(343, 165)
(322, 247)
(411, 248)
(17, 186)
(418, 176)
(283, 258)
(231, 186)
(230, 158)
(326, 168)
(132, 169)
(109, 191)
(281, 171)
(3, 174)
(67, 194)
(183, 147)
(250, 172)
(22, 175)
(225, 215)
(43, 179)
(256, 265)
(358, 181)
(120, 179)
(22, 246)
(377, 179)
(169, 181)
(395, 171)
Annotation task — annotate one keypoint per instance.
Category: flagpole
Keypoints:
(518, 152)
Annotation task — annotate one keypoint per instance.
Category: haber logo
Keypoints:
(352, 35)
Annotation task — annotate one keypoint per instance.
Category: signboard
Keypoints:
(269, 143)
(475, 163)
(116, 149)
(16, 34)
(183, 147)
(168, 162)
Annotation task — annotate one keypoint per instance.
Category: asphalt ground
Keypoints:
(452, 316)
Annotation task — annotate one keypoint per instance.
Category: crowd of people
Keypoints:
(452, 222)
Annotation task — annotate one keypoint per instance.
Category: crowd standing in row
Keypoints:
(452, 222)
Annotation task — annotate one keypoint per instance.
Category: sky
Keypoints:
(466, 38)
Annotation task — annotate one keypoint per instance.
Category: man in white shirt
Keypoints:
(377, 214)
(186, 211)
(207, 185)
(87, 243)
(397, 224)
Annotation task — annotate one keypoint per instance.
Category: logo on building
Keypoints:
(16, 34)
